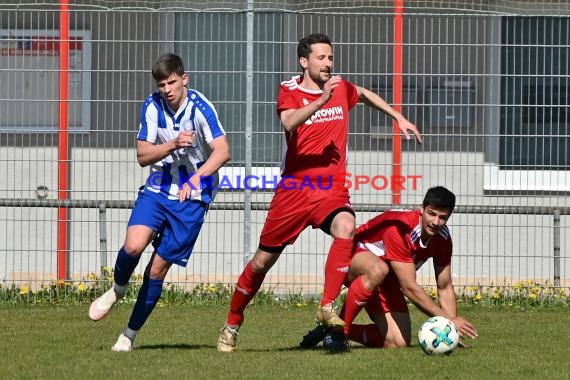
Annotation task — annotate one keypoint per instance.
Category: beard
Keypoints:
(320, 77)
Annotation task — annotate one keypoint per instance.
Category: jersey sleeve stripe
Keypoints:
(143, 131)
(209, 112)
(152, 116)
(445, 233)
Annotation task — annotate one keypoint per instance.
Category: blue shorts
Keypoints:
(177, 224)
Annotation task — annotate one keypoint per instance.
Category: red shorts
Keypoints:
(294, 209)
(390, 297)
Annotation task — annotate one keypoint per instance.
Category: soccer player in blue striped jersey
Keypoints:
(182, 140)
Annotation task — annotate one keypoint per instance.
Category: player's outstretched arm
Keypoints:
(373, 100)
(448, 301)
(406, 273)
(445, 291)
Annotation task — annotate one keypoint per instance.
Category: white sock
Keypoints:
(130, 333)
(120, 290)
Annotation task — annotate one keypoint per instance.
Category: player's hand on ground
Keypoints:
(185, 139)
(465, 328)
(406, 127)
(461, 344)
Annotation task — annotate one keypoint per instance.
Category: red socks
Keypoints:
(336, 268)
(367, 335)
(356, 298)
(247, 286)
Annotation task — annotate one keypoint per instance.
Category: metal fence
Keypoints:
(485, 81)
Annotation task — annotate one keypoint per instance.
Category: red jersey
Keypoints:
(317, 149)
(395, 236)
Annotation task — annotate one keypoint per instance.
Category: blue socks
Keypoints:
(124, 267)
(147, 298)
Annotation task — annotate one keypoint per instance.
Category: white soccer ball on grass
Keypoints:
(438, 335)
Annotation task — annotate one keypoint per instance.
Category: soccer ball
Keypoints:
(438, 335)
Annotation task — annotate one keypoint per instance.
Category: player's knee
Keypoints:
(134, 248)
(158, 273)
(395, 344)
(261, 263)
(343, 226)
(377, 273)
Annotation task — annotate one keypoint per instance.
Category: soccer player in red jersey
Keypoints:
(389, 249)
(313, 109)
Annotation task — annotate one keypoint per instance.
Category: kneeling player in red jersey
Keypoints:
(389, 249)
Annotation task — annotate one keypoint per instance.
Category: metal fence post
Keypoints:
(103, 235)
(248, 131)
(556, 247)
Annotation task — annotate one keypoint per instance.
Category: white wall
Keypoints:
(488, 248)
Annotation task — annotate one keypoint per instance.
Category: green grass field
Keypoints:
(179, 342)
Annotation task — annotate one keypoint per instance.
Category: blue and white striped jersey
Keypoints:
(159, 123)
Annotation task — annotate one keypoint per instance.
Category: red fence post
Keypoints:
(63, 149)
(398, 89)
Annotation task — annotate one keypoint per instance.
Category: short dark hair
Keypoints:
(166, 65)
(304, 46)
(439, 197)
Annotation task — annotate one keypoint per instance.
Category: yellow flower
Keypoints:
(24, 290)
(91, 276)
(81, 287)
(433, 293)
(496, 294)
(533, 296)
(477, 297)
